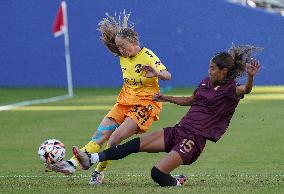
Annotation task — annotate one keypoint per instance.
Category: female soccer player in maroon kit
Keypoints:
(212, 106)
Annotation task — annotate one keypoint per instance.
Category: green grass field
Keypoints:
(248, 159)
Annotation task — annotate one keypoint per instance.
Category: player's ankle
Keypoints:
(94, 158)
(73, 162)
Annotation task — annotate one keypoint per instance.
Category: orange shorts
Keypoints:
(142, 115)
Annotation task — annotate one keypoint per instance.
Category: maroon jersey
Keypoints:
(212, 109)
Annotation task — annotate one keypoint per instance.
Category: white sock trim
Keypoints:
(94, 158)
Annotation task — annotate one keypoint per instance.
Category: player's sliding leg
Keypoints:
(113, 153)
(152, 142)
(160, 173)
(102, 134)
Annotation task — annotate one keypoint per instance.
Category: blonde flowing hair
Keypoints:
(117, 25)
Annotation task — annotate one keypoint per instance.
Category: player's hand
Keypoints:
(252, 67)
(159, 97)
(149, 71)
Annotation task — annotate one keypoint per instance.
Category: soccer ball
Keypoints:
(51, 151)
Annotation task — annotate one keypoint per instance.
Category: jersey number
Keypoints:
(186, 145)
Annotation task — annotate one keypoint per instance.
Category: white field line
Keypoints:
(141, 175)
(31, 102)
(63, 176)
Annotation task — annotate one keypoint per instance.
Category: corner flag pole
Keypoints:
(60, 27)
(67, 50)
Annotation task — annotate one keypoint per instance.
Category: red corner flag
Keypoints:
(60, 23)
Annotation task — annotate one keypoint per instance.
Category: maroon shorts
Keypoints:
(185, 142)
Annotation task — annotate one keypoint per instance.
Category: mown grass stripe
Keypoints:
(61, 108)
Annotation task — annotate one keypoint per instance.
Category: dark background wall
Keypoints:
(184, 34)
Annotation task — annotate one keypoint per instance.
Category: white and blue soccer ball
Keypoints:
(51, 151)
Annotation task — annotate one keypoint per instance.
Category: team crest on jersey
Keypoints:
(138, 68)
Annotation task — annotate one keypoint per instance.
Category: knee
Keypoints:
(99, 137)
(114, 139)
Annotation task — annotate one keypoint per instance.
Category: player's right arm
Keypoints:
(151, 72)
(182, 101)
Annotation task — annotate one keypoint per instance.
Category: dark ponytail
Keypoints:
(235, 60)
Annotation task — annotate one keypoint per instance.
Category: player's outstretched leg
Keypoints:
(84, 158)
(63, 166)
(114, 153)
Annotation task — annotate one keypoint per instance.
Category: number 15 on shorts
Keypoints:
(186, 145)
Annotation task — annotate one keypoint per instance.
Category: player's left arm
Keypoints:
(178, 100)
(251, 68)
